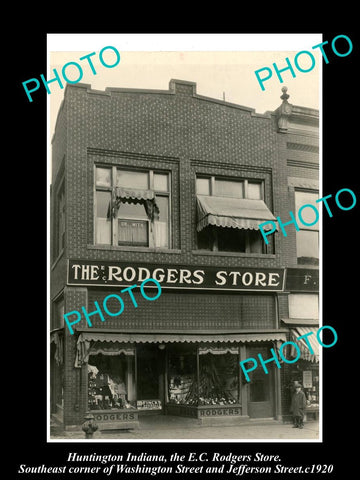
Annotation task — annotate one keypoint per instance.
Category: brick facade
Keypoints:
(186, 134)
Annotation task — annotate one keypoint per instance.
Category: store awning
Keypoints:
(134, 194)
(231, 212)
(180, 337)
(120, 340)
(302, 343)
(300, 321)
(219, 350)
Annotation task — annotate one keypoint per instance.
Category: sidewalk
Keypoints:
(168, 427)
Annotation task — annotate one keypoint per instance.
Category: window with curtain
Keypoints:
(224, 239)
(111, 380)
(132, 207)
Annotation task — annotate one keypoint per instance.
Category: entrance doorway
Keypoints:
(261, 402)
(150, 373)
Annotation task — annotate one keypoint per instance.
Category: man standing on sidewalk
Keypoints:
(298, 405)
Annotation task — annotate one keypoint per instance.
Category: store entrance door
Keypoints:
(150, 373)
(261, 390)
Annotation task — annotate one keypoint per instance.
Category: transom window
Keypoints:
(220, 187)
(132, 207)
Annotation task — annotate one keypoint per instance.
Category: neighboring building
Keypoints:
(173, 185)
(299, 304)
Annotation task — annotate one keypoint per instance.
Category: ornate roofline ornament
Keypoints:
(284, 111)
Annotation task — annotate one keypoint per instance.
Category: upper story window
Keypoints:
(132, 208)
(59, 221)
(229, 212)
(307, 238)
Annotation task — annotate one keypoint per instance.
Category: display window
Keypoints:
(307, 375)
(218, 377)
(111, 382)
(209, 376)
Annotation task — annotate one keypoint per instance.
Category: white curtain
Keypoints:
(103, 231)
(161, 234)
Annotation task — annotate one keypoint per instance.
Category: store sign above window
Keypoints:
(175, 276)
(302, 279)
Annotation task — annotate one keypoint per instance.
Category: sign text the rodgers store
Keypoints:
(175, 276)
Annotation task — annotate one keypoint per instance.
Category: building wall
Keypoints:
(184, 133)
(188, 311)
(176, 131)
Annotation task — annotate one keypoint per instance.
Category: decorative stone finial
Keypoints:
(284, 111)
(284, 96)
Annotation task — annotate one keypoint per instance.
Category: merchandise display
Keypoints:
(106, 382)
(216, 382)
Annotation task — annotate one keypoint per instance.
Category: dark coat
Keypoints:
(298, 404)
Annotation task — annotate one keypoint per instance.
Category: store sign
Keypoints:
(302, 279)
(148, 404)
(124, 274)
(114, 416)
(216, 412)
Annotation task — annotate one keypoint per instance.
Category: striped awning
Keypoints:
(123, 342)
(231, 212)
(301, 321)
(134, 194)
(302, 343)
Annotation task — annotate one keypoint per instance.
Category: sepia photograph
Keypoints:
(184, 240)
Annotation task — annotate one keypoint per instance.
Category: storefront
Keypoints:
(135, 374)
(303, 321)
(178, 355)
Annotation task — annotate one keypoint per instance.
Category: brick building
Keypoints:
(172, 185)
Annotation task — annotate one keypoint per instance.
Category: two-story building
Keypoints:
(172, 185)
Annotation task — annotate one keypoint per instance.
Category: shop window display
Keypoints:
(181, 375)
(218, 378)
(307, 375)
(215, 383)
(110, 382)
